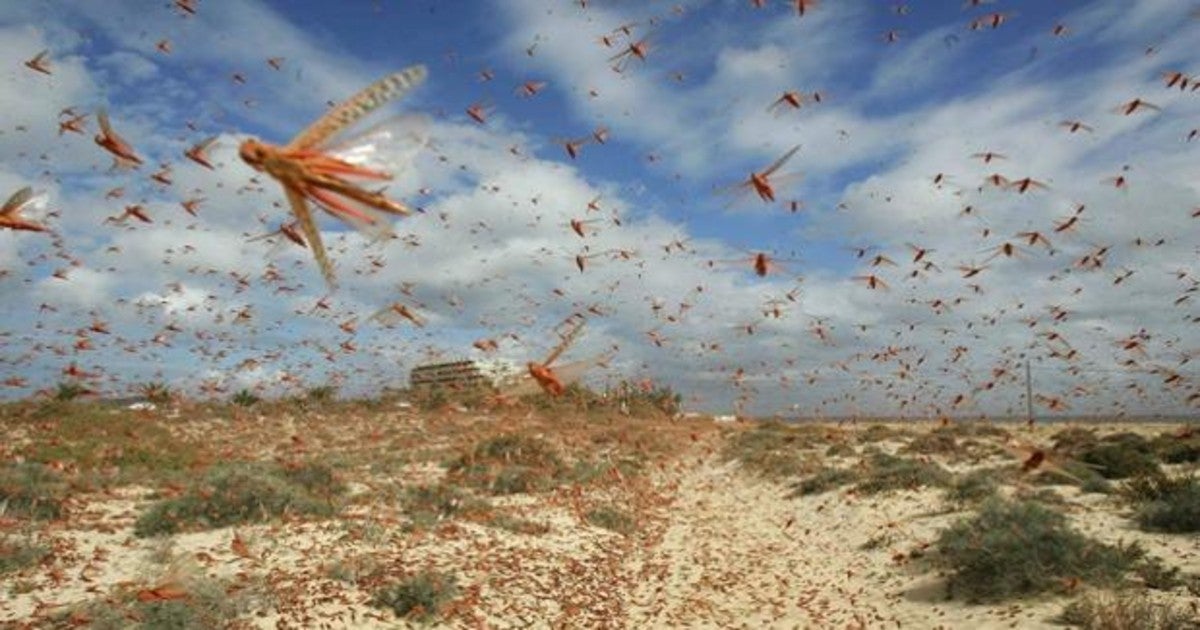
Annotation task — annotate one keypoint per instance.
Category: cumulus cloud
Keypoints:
(1103, 313)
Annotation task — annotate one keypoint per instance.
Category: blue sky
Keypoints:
(493, 256)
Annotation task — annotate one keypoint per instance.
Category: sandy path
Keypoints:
(726, 556)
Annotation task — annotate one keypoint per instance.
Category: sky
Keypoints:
(937, 227)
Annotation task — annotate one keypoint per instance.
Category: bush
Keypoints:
(1121, 456)
(68, 391)
(1165, 503)
(429, 505)
(611, 519)
(156, 392)
(245, 398)
(586, 471)
(638, 399)
(824, 480)
(972, 487)
(16, 553)
(1125, 611)
(31, 490)
(420, 597)
(1158, 576)
(888, 472)
(1178, 448)
(207, 603)
(775, 451)
(937, 441)
(318, 479)
(1023, 548)
(509, 464)
(239, 493)
(321, 393)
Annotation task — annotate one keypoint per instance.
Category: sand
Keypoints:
(715, 546)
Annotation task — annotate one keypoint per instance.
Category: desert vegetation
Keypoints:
(196, 514)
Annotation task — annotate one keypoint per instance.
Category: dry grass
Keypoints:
(1127, 610)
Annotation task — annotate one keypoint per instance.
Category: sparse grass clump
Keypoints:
(1121, 456)
(776, 451)
(976, 429)
(1125, 611)
(232, 494)
(611, 519)
(1178, 447)
(31, 490)
(824, 480)
(509, 464)
(938, 441)
(115, 442)
(1011, 549)
(427, 506)
(880, 433)
(888, 472)
(68, 391)
(156, 392)
(199, 603)
(321, 394)
(1156, 575)
(420, 597)
(972, 487)
(586, 471)
(18, 552)
(1165, 503)
(245, 398)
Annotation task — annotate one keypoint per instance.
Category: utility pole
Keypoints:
(1028, 394)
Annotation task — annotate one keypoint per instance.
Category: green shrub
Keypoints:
(1073, 439)
(1178, 448)
(321, 393)
(509, 464)
(318, 479)
(31, 490)
(1012, 549)
(420, 597)
(232, 494)
(611, 519)
(429, 505)
(973, 429)
(824, 480)
(586, 471)
(776, 451)
(1165, 503)
(880, 433)
(839, 449)
(68, 391)
(517, 525)
(888, 472)
(156, 392)
(972, 487)
(17, 552)
(1096, 485)
(245, 398)
(934, 442)
(209, 603)
(1158, 576)
(1121, 456)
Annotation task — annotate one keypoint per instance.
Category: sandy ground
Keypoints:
(715, 547)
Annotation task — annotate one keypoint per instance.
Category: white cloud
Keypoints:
(494, 256)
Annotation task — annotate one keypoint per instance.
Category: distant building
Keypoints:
(490, 373)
